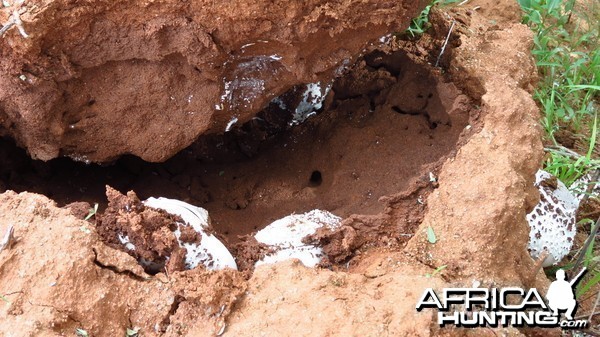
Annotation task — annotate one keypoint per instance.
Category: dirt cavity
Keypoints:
(385, 128)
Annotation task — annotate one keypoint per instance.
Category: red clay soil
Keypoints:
(59, 276)
(91, 74)
(343, 160)
(52, 291)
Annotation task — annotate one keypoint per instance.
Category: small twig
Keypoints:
(586, 315)
(6, 27)
(222, 329)
(592, 332)
(7, 239)
(570, 12)
(538, 266)
(589, 215)
(445, 43)
(563, 150)
(19, 24)
(594, 308)
(588, 191)
(462, 3)
(4, 297)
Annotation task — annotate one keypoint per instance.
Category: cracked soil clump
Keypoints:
(149, 232)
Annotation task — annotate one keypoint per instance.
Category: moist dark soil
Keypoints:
(386, 128)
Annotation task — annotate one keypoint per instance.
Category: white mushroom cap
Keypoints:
(285, 237)
(552, 221)
(210, 251)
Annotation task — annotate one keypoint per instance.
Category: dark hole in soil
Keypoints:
(257, 173)
(316, 178)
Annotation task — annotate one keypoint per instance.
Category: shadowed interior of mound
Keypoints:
(385, 128)
(390, 123)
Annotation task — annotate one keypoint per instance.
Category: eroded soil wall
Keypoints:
(98, 79)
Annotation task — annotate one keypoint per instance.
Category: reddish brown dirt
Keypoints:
(75, 281)
(93, 73)
(358, 154)
(470, 209)
(476, 208)
(79, 209)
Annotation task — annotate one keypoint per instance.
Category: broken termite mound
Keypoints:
(89, 77)
(476, 208)
(389, 106)
(389, 122)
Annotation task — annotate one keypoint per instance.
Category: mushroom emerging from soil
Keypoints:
(162, 234)
(552, 221)
(210, 251)
(585, 183)
(284, 237)
(167, 234)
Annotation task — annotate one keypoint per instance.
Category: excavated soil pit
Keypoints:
(385, 129)
(396, 151)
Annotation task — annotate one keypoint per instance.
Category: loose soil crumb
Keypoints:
(151, 231)
(391, 228)
(247, 251)
(80, 209)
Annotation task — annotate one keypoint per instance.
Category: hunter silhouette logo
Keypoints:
(560, 294)
(493, 307)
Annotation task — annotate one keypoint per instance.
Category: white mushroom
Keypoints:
(552, 221)
(285, 236)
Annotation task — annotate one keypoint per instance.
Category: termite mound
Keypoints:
(89, 77)
(475, 202)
